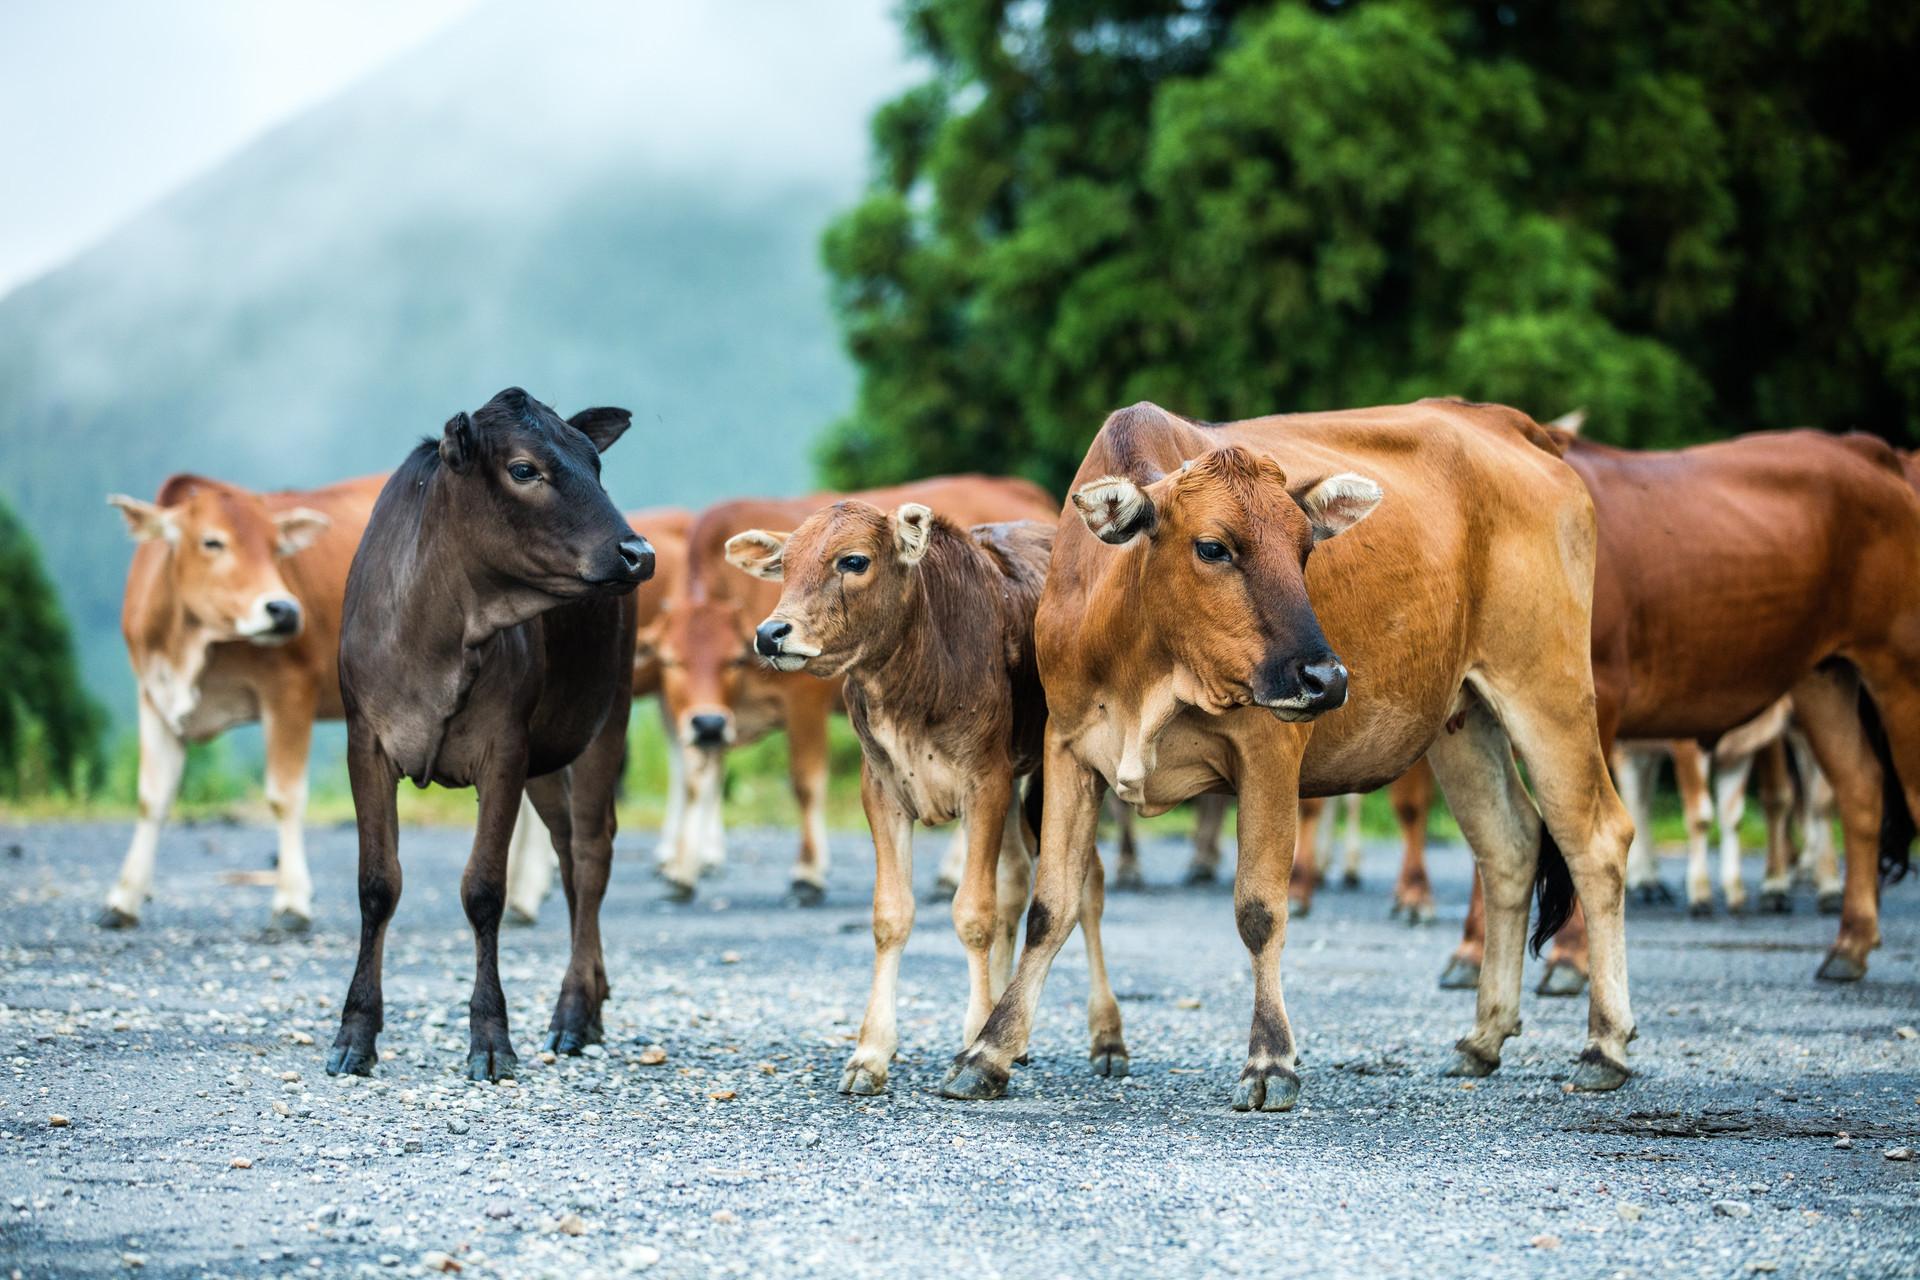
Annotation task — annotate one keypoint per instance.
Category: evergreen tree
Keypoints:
(49, 727)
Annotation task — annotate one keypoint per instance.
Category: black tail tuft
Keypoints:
(1552, 889)
(1896, 819)
(1036, 792)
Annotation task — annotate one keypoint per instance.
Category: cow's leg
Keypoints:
(1819, 862)
(1412, 795)
(1463, 966)
(1777, 803)
(1634, 771)
(807, 767)
(1729, 806)
(531, 859)
(698, 844)
(1305, 871)
(1127, 875)
(1108, 1053)
(1012, 887)
(1474, 766)
(1691, 778)
(1828, 708)
(483, 893)
(288, 724)
(892, 827)
(1269, 834)
(162, 758)
(676, 815)
(373, 779)
(991, 818)
(595, 786)
(1209, 816)
(1555, 735)
(953, 864)
(1352, 806)
(1068, 822)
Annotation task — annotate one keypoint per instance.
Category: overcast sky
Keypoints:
(108, 105)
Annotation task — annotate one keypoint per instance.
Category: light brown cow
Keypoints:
(718, 695)
(231, 615)
(530, 857)
(1411, 795)
(1204, 629)
(932, 627)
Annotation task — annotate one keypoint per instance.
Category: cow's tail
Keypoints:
(1552, 889)
(1896, 819)
(1035, 798)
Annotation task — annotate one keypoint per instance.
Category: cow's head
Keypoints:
(524, 487)
(224, 549)
(845, 572)
(1226, 540)
(704, 649)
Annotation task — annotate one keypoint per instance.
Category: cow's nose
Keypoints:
(768, 635)
(708, 730)
(1324, 682)
(283, 616)
(636, 557)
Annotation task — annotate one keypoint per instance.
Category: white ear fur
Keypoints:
(1115, 509)
(298, 529)
(912, 527)
(1571, 421)
(1338, 503)
(759, 553)
(145, 521)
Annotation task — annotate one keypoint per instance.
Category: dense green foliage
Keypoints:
(1692, 221)
(49, 727)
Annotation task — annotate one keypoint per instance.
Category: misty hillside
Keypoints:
(617, 205)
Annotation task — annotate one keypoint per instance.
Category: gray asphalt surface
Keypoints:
(197, 1042)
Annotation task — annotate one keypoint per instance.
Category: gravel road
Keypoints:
(202, 1136)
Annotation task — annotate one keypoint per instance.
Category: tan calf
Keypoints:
(931, 626)
(1204, 629)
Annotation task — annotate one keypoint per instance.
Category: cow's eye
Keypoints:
(524, 472)
(214, 544)
(853, 564)
(1212, 551)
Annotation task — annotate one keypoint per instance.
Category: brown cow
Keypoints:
(232, 614)
(1182, 648)
(1412, 796)
(932, 627)
(530, 856)
(718, 695)
(1735, 573)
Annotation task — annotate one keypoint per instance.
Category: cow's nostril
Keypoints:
(284, 615)
(768, 635)
(1324, 680)
(636, 556)
(708, 730)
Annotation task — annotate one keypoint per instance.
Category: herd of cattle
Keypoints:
(1277, 610)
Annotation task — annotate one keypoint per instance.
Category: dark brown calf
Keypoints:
(932, 627)
(487, 642)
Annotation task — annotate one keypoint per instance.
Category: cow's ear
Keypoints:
(912, 529)
(298, 529)
(457, 444)
(1337, 503)
(602, 426)
(646, 641)
(1116, 509)
(145, 521)
(759, 553)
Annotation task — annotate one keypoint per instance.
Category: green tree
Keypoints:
(1692, 222)
(49, 727)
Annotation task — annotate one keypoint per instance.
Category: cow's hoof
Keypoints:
(1654, 893)
(805, 893)
(973, 1079)
(1830, 902)
(287, 920)
(942, 891)
(1110, 1062)
(677, 892)
(1300, 908)
(1271, 1088)
(1841, 967)
(1736, 906)
(1415, 913)
(1349, 879)
(1598, 1073)
(863, 1081)
(1199, 877)
(1775, 902)
(520, 917)
(1700, 910)
(1129, 880)
(1460, 975)
(570, 1041)
(1561, 979)
(493, 1064)
(349, 1060)
(115, 918)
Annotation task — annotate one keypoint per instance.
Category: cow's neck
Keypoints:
(938, 652)
(177, 648)
(1142, 683)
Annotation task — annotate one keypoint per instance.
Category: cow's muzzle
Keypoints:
(1303, 688)
(774, 641)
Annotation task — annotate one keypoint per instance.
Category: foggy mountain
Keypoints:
(605, 204)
